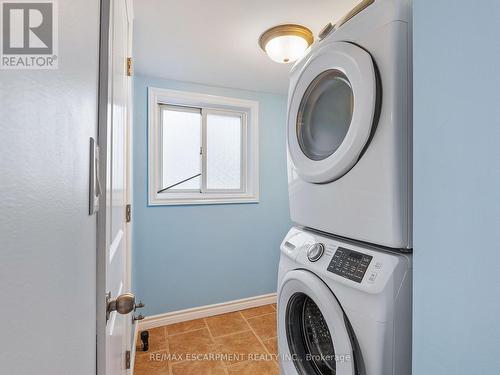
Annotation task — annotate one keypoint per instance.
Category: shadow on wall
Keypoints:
(187, 256)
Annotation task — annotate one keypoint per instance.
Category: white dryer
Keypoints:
(349, 128)
(342, 309)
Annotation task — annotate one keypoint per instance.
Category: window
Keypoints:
(203, 149)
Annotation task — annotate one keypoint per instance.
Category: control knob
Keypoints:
(315, 252)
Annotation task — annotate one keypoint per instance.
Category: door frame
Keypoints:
(129, 174)
(102, 142)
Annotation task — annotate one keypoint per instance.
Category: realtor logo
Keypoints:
(29, 35)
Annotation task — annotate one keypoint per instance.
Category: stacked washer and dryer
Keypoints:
(345, 275)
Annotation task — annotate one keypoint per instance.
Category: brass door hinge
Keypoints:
(128, 213)
(127, 360)
(129, 66)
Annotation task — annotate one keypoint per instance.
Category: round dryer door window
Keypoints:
(325, 115)
(331, 111)
(313, 333)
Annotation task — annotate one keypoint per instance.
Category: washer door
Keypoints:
(331, 112)
(313, 337)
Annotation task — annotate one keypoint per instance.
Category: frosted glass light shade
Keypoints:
(286, 48)
(286, 43)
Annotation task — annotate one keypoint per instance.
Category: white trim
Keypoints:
(206, 311)
(112, 320)
(130, 14)
(105, 114)
(115, 244)
(105, 92)
(129, 153)
(133, 348)
(249, 108)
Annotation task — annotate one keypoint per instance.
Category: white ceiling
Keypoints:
(215, 42)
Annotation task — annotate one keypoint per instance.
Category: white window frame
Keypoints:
(249, 110)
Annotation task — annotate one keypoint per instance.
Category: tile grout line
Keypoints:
(213, 340)
(208, 327)
(259, 315)
(170, 364)
(250, 329)
(275, 359)
(224, 364)
(262, 341)
(171, 371)
(189, 331)
(209, 332)
(232, 333)
(256, 335)
(274, 313)
(185, 361)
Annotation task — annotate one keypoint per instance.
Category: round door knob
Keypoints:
(123, 304)
(315, 252)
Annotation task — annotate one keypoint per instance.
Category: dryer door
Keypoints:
(313, 337)
(331, 112)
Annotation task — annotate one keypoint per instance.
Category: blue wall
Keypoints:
(187, 256)
(457, 187)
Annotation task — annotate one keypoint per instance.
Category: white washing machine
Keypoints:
(349, 128)
(343, 309)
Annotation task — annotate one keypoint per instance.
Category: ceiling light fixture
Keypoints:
(286, 43)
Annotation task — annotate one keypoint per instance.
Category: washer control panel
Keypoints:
(350, 264)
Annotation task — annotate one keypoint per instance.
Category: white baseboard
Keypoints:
(205, 311)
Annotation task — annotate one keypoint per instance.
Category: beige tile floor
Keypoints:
(238, 343)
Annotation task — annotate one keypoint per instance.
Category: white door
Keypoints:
(313, 338)
(117, 278)
(331, 112)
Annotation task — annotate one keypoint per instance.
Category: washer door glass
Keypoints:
(309, 338)
(325, 114)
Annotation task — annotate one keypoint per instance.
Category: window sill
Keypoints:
(184, 201)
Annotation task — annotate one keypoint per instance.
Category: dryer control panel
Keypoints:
(350, 264)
